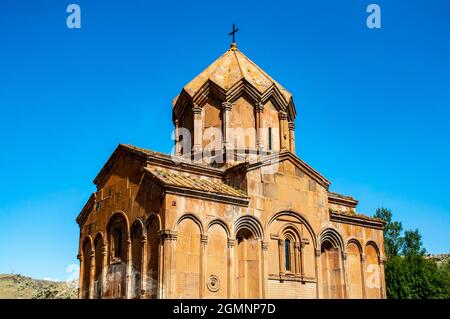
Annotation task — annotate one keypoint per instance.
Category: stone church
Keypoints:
(233, 212)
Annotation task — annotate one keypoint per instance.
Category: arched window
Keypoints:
(117, 242)
(270, 139)
(287, 254)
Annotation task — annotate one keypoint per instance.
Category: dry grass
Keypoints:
(21, 287)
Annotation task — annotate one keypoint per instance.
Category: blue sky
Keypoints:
(373, 105)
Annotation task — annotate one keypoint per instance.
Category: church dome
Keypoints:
(231, 76)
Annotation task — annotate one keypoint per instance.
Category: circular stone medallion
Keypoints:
(213, 283)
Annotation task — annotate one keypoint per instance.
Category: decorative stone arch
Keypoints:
(290, 230)
(100, 235)
(220, 222)
(87, 238)
(216, 259)
(332, 264)
(100, 252)
(115, 215)
(189, 243)
(300, 218)
(249, 235)
(152, 274)
(374, 272)
(192, 217)
(87, 259)
(118, 247)
(290, 239)
(149, 219)
(333, 236)
(372, 243)
(354, 269)
(134, 227)
(250, 223)
(357, 243)
(138, 240)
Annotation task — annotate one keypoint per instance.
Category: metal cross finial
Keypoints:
(233, 33)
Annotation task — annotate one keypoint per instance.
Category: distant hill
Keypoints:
(21, 287)
(439, 259)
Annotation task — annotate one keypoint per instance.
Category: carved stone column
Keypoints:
(81, 278)
(363, 270)
(91, 274)
(177, 138)
(319, 279)
(283, 132)
(226, 120)
(303, 243)
(198, 132)
(281, 256)
(128, 278)
(203, 252)
(292, 137)
(345, 275)
(103, 281)
(144, 266)
(297, 258)
(168, 238)
(259, 108)
(264, 270)
(231, 269)
(161, 262)
(382, 262)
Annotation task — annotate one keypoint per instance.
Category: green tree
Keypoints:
(409, 274)
(392, 232)
(412, 243)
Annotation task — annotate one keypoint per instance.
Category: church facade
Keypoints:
(232, 213)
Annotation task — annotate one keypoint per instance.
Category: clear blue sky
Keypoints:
(373, 105)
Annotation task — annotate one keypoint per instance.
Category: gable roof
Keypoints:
(148, 156)
(184, 184)
(288, 156)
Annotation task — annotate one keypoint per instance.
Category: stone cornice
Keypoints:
(334, 198)
(292, 277)
(215, 197)
(358, 220)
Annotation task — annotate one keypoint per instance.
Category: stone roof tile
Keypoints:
(177, 179)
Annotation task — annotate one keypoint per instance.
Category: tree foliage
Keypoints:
(409, 274)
